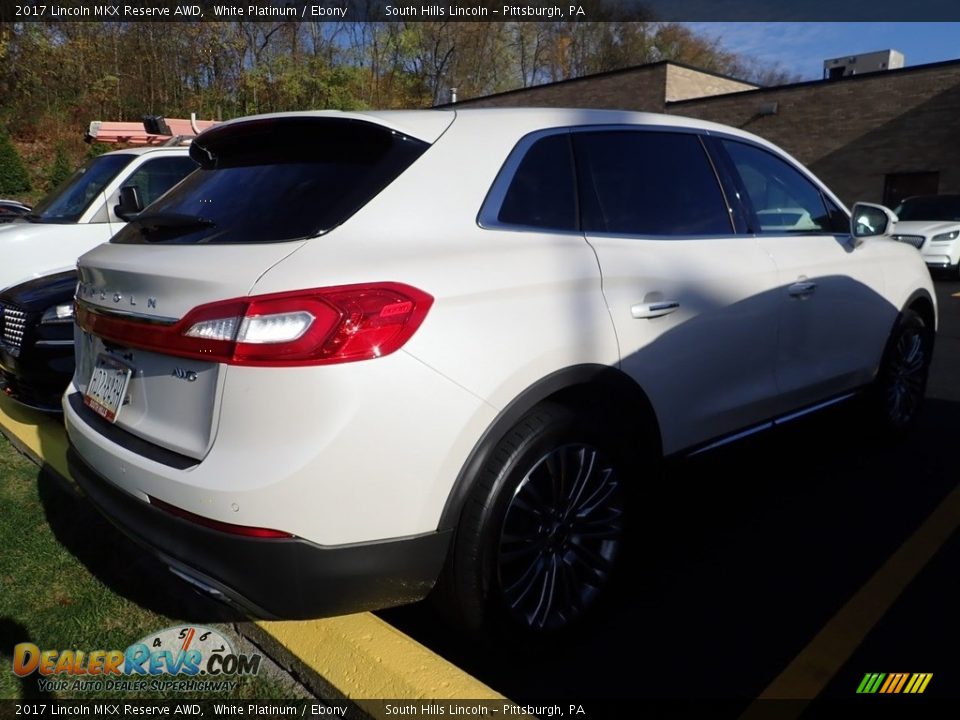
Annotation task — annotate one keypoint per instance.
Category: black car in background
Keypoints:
(36, 340)
(10, 210)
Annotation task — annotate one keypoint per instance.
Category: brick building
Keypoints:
(875, 137)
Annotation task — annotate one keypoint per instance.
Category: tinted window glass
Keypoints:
(69, 201)
(156, 176)
(784, 201)
(648, 183)
(541, 193)
(930, 207)
(838, 219)
(274, 180)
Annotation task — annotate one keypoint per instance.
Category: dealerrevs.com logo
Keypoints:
(180, 659)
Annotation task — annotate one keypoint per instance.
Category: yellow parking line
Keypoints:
(356, 656)
(810, 671)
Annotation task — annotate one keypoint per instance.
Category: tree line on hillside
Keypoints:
(70, 73)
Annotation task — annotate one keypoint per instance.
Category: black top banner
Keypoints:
(477, 10)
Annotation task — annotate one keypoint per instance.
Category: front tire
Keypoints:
(542, 529)
(898, 392)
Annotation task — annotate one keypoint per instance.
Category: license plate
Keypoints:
(107, 387)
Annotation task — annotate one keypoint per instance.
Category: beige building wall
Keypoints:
(684, 83)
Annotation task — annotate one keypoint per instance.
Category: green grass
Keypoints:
(69, 580)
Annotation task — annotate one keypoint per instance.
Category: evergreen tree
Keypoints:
(13, 175)
(61, 168)
(96, 149)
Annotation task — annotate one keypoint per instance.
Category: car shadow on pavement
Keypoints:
(119, 563)
(741, 556)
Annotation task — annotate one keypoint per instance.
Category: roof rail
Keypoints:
(177, 140)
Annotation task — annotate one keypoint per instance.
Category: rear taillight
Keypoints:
(304, 327)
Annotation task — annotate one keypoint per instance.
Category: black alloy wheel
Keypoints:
(561, 534)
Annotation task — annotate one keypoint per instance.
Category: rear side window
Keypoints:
(783, 200)
(542, 193)
(648, 183)
(275, 179)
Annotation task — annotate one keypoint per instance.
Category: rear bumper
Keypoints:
(274, 578)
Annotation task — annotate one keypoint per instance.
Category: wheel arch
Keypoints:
(921, 302)
(591, 387)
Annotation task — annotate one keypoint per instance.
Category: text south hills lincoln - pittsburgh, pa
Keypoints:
(475, 11)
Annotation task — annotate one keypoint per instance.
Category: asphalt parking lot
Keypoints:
(787, 566)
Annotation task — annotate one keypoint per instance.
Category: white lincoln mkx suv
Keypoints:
(356, 355)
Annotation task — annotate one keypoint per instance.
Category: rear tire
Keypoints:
(542, 529)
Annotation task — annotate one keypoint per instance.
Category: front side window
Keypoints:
(783, 200)
(71, 199)
(648, 183)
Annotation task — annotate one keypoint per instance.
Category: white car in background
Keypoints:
(358, 354)
(931, 223)
(87, 210)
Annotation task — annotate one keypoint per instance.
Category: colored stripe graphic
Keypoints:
(918, 683)
(892, 679)
(893, 683)
(870, 683)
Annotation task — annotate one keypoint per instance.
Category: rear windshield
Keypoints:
(71, 199)
(274, 180)
(933, 207)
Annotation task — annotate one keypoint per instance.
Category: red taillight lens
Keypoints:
(244, 530)
(305, 327)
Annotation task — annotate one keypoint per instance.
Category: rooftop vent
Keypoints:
(861, 64)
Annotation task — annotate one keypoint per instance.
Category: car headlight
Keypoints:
(952, 235)
(58, 314)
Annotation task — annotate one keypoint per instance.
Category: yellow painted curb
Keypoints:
(358, 656)
(366, 658)
(41, 436)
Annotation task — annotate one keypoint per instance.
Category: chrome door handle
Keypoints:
(655, 309)
(802, 289)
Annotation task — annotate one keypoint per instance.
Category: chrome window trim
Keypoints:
(53, 343)
(488, 217)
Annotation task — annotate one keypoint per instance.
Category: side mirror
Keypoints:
(869, 220)
(130, 202)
